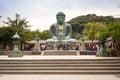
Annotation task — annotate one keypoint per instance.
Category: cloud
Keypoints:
(41, 13)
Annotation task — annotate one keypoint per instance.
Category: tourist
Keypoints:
(94, 47)
(97, 46)
(77, 47)
(43, 47)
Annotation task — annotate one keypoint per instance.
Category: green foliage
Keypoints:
(14, 25)
(92, 30)
(17, 22)
(79, 22)
(113, 30)
(45, 34)
(6, 34)
(104, 35)
(30, 35)
(93, 18)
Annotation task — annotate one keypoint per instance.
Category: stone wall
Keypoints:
(21, 52)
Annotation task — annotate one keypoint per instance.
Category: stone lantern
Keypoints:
(15, 52)
(101, 52)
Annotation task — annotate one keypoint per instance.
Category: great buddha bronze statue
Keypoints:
(60, 31)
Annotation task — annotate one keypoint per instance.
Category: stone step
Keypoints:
(57, 62)
(59, 71)
(62, 60)
(59, 68)
(102, 65)
(60, 65)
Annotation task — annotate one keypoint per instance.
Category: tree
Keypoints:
(104, 35)
(30, 35)
(14, 25)
(92, 30)
(78, 23)
(113, 30)
(17, 22)
(19, 25)
(6, 34)
(45, 34)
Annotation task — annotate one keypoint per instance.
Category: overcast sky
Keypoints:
(42, 13)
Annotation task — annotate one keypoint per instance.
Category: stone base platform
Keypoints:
(52, 52)
(60, 52)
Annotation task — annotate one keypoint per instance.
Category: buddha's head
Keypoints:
(60, 18)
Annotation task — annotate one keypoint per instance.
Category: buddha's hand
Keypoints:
(67, 37)
(54, 37)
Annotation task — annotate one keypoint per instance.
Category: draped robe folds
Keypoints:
(60, 33)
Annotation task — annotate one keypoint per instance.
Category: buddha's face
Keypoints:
(60, 19)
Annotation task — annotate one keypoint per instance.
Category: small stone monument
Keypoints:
(15, 52)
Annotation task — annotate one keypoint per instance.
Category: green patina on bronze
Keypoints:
(15, 52)
(60, 31)
(101, 52)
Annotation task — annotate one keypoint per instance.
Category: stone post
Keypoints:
(37, 47)
(82, 44)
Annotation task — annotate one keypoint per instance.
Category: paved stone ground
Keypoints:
(59, 77)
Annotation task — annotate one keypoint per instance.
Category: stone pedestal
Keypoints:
(15, 53)
(60, 52)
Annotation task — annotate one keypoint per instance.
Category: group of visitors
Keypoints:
(65, 47)
(95, 47)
